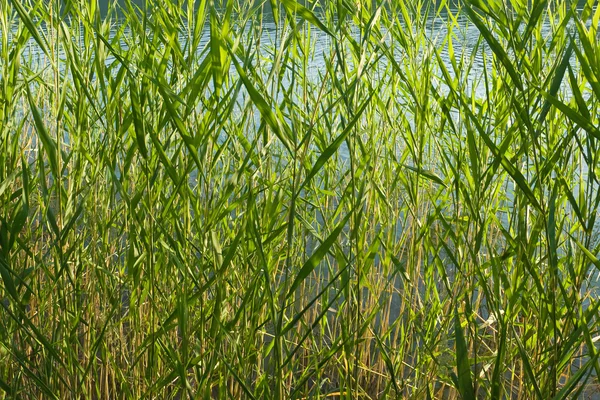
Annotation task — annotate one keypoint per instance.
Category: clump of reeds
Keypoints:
(374, 199)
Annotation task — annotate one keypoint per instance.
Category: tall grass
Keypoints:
(353, 205)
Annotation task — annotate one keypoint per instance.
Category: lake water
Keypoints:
(466, 38)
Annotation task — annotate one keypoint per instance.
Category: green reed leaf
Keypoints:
(573, 115)
(317, 256)
(18, 222)
(575, 380)
(217, 52)
(465, 383)
(9, 283)
(557, 80)
(265, 110)
(427, 174)
(25, 16)
(533, 380)
(335, 145)
(295, 8)
(138, 119)
(48, 143)
(496, 47)
(4, 386)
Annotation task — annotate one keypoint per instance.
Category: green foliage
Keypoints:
(197, 201)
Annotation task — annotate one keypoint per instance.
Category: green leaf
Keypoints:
(138, 119)
(275, 10)
(557, 80)
(216, 51)
(573, 115)
(6, 275)
(587, 253)
(317, 256)
(426, 173)
(465, 383)
(4, 386)
(18, 222)
(293, 7)
(501, 158)
(334, 146)
(25, 16)
(527, 364)
(496, 47)
(263, 107)
(48, 143)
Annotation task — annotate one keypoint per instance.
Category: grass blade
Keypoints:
(465, 383)
(317, 256)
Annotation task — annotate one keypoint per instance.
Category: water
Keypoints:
(465, 42)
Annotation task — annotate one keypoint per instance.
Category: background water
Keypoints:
(466, 36)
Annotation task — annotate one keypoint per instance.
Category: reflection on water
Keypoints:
(104, 5)
(466, 36)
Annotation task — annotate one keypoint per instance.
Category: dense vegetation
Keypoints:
(396, 199)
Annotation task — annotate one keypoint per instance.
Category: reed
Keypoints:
(356, 204)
